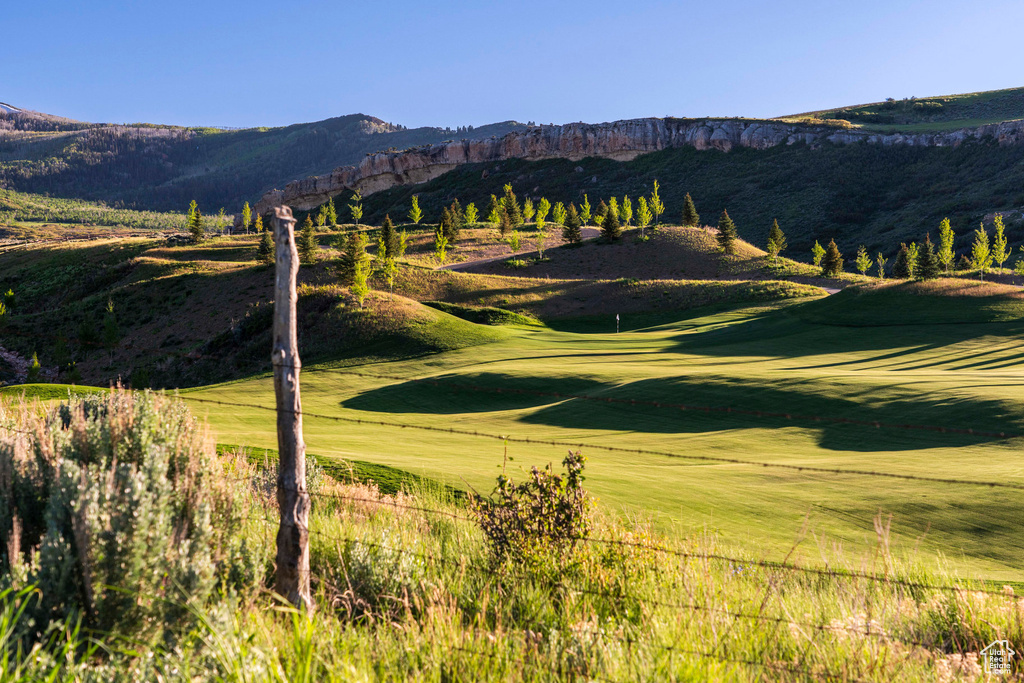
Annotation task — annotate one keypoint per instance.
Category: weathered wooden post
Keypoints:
(292, 497)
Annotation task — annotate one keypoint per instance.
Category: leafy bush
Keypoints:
(548, 512)
(517, 263)
(113, 508)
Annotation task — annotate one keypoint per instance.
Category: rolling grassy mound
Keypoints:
(943, 301)
(670, 253)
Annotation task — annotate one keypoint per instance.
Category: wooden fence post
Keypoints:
(292, 579)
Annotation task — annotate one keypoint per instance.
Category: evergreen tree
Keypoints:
(414, 213)
(863, 262)
(352, 257)
(946, 237)
(543, 207)
(881, 260)
(726, 233)
(600, 212)
(572, 232)
(817, 253)
(613, 207)
(901, 266)
(610, 229)
(471, 214)
(360, 280)
(356, 207)
(776, 241)
(34, 370)
(494, 212)
(528, 210)
(981, 253)
(307, 244)
(625, 210)
(691, 219)
(558, 213)
(389, 238)
(584, 212)
(512, 206)
(190, 215)
(912, 252)
(504, 222)
(643, 214)
(246, 216)
(265, 250)
(927, 261)
(332, 213)
(657, 206)
(321, 216)
(999, 253)
(441, 242)
(832, 265)
(196, 227)
(458, 219)
(447, 225)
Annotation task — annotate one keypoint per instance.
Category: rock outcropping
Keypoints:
(621, 140)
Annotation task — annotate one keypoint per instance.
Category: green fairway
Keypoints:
(797, 358)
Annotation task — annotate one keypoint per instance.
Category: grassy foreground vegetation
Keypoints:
(407, 586)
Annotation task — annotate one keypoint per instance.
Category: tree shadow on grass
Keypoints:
(476, 393)
(712, 404)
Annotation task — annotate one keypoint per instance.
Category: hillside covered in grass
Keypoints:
(927, 114)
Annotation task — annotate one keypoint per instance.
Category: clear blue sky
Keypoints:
(455, 62)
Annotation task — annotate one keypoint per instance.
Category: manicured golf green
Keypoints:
(949, 366)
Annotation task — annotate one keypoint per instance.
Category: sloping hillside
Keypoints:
(944, 112)
(164, 167)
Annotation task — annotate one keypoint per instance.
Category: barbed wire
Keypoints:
(618, 449)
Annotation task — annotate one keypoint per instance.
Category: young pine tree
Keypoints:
(832, 264)
(901, 266)
(558, 213)
(543, 208)
(572, 232)
(881, 261)
(584, 212)
(528, 210)
(999, 253)
(246, 216)
(360, 286)
(610, 229)
(726, 233)
(265, 250)
(353, 257)
(34, 370)
(389, 238)
(643, 214)
(356, 208)
(863, 262)
(927, 262)
(515, 214)
(817, 253)
(189, 215)
(494, 212)
(321, 216)
(912, 253)
(307, 244)
(946, 237)
(332, 213)
(504, 222)
(196, 227)
(415, 215)
(458, 219)
(447, 225)
(625, 210)
(657, 206)
(471, 214)
(441, 242)
(776, 241)
(600, 212)
(613, 207)
(691, 219)
(981, 252)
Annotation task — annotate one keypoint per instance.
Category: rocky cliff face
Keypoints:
(621, 140)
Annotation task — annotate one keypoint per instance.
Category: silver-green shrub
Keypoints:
(114, 508)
